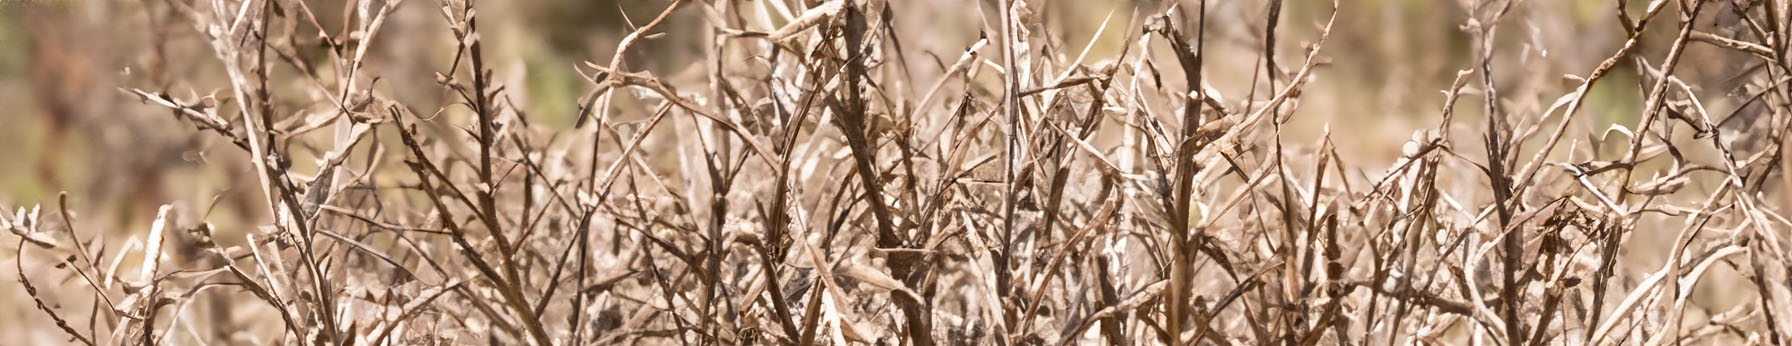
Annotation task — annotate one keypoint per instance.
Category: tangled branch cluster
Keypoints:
(807, 188)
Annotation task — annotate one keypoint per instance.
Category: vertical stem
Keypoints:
(1184, 174)
(852, 121)
(1011, 107)
(1512, 246)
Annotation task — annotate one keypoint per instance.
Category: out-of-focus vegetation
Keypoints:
(1401, 53)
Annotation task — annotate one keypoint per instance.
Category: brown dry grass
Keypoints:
(806, 172)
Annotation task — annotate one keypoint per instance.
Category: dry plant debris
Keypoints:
(804, 186)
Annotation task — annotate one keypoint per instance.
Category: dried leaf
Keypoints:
(809, 19)
(152, 246)
(876, 277)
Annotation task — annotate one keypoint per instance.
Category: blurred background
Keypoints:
(69, 127)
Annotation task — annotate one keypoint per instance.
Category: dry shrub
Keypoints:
(801, 184)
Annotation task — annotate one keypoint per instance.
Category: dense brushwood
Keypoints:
(800, 173)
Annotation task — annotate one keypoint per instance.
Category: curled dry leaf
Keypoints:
(876, 277)
(152, 248)
(810, 18)
(25, 225)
